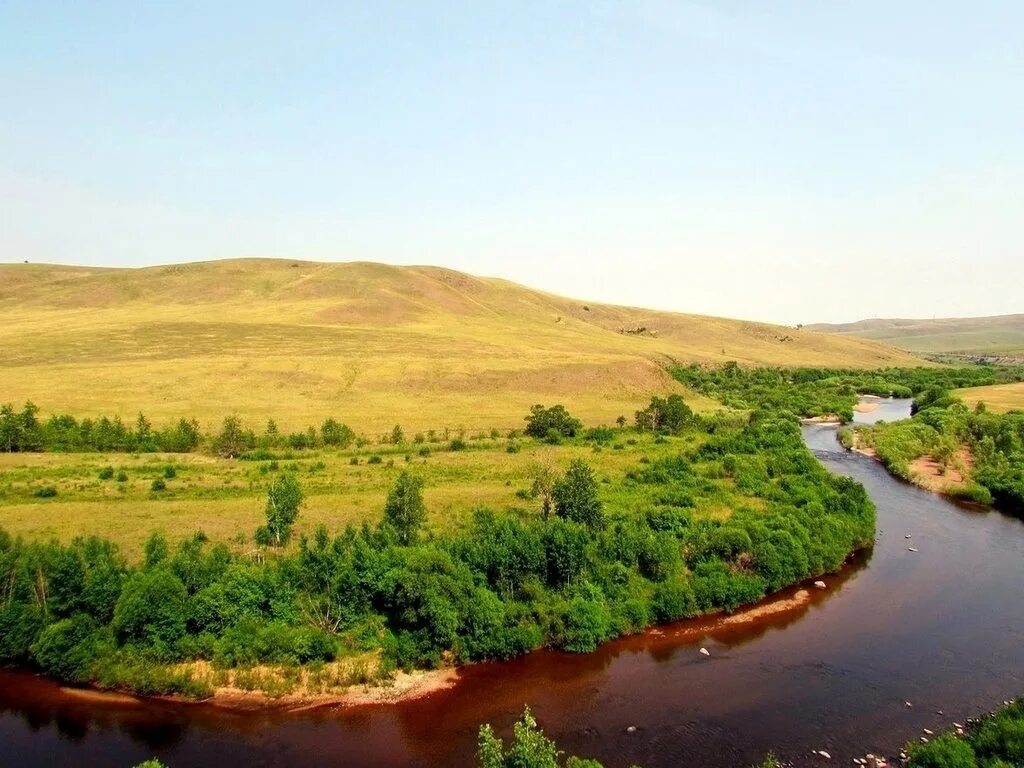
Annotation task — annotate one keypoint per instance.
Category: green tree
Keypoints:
(544, 479)
(155, 550)
(334, 433)
(284, 498)
(543, 421)
(232, 439)
(575, 496)
(404, 511)
(151, 608)
(397, 435)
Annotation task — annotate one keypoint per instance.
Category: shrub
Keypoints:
(575, 496)
(404, 511)
(122, 476)
(458, 444)
(158, 485)
(46, 492)
(68, 649)
(170, 472)
(546, 422)
(151, 608)
(106, 473)
(375, 459)
(284, 498)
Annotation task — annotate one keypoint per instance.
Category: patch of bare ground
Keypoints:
(934, 476)
(350, 682)
(866, 406)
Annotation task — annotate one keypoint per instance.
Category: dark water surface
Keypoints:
(942, 628)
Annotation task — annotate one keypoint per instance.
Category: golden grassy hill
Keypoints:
(998, 336)
(374, 345)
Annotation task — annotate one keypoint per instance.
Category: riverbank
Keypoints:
(402, 687)
(925, 471)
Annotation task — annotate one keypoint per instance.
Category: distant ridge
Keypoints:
(374, 344)
(997, 337)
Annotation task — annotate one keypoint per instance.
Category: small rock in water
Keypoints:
(908, 704)
(819, 584)
(930, 733)
(911, 549)
(705, 652)
(824, 754)
(924, 739)
(631, 729)
(907, 536)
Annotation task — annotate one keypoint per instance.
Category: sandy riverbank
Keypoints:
(403, 686)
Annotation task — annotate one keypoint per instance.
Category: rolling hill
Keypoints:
(372, 344)
(996, 337)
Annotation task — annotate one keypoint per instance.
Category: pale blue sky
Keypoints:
(790, 161)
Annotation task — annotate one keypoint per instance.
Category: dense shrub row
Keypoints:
(509, 582)
(814, 392)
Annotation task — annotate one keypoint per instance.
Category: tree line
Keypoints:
(811, 392)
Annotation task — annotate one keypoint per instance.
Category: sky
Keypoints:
(793, 162)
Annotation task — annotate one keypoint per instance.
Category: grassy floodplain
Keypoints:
(225, 497)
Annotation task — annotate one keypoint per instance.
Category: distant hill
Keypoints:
(996, 337)
(372, 344)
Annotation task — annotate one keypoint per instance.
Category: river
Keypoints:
(941, 628)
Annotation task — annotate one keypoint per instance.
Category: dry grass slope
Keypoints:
(999, 398)
(998, 336)
(372, 344)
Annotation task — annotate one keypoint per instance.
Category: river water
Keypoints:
(941, 628)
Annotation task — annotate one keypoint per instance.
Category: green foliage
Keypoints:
(45, 492)
(151, 608)
(814, 392)
(404, 512)
(233, 439)
(530, 748)
(554, 421)
(336, 435)
(994, 741)
(575, 496)
(284, 498)
(670, 414)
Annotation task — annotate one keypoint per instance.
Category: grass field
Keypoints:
(999, 398)
(225, 498)
(370, 344)
(1000, 336)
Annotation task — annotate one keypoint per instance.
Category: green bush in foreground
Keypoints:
(995, 741)
(529, 748)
